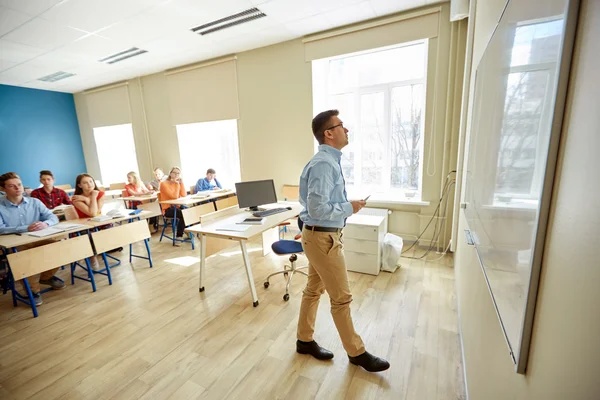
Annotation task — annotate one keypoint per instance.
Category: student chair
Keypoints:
(290, 193)
(283, 248)
(172, 222)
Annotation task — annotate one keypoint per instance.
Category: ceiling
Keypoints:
(42, 37)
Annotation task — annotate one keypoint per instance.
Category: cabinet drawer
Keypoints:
(361, 262)
(360, 246)
(361, 232)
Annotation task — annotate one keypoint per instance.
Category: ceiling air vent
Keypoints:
(57, 76)
(123, 55)
(228, 22)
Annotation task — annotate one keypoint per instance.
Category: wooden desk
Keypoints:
(14, 240)
(114, 194)
(188, 201)
(94, 224)
(210, 224)
(150, 197)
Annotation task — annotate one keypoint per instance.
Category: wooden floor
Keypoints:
(151, 335)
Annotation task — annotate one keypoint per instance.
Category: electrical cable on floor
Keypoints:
(436, 214)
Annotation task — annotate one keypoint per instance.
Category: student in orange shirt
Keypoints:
(172, 189)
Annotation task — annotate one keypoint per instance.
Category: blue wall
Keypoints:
(39, 130)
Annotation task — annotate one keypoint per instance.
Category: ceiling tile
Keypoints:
(43, 34)
(385, 7)
(293, 10)
(91, 15)
(141, 28)
(17, 52)
(52, 86)
(5, 64)
(21, 74)
(177, 41)
(10, 19)
(31, 7)
(339, 17)
(94, 48)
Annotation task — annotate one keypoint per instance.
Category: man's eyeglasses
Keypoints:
(335, 126)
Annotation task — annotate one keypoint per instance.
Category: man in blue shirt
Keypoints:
(22, 214)
(208, 183)
(326, 207)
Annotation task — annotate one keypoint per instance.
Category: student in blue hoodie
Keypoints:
(208, 183)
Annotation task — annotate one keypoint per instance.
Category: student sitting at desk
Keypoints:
(159, 177)
(135, 187)
(22, 214)
(208, 183)
(48, 194)
(172, 189)
(88, 200)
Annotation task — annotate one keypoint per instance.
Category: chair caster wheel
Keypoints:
(202, 289)
(266, 285)
(286, 297)
(255, 304)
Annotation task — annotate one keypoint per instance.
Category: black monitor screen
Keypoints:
(255, 193)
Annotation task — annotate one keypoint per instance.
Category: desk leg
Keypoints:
(249, 273)
(202, 260)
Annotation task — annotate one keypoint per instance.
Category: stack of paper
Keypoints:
(45, 232)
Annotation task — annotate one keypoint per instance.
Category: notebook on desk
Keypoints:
(45, 232)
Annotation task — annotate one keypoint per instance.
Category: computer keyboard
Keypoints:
(270, 211)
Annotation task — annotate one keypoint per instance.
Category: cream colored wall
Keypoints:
(275, 105)
(275, 96)
(565, 349)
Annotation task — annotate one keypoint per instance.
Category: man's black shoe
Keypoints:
(370, 362)
(314, 350)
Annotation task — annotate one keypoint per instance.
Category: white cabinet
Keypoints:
(363, 242)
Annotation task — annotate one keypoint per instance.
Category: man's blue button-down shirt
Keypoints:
(323, 190)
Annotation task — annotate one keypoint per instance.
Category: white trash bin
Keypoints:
(392, 250)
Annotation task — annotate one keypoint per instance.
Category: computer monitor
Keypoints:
(255, 193)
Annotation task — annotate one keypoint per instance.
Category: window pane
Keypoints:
(407, 111)
(373, 139)
(209, 145)
(116, 153)
(344, 103)
(378, 67)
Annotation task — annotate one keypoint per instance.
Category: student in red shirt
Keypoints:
(135, 187)
(48, 194)
(88, 200)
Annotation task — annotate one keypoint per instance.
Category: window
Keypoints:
(380, 94)
(116, 152)
(207, 145)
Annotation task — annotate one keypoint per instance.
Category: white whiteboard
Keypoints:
(520, 89)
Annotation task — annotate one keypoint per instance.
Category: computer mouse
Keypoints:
(289, 208)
